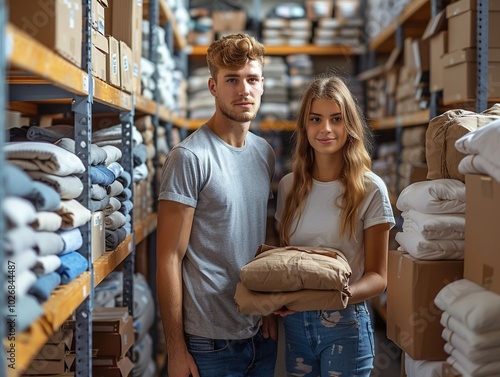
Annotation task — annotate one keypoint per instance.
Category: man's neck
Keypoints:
(233, 133)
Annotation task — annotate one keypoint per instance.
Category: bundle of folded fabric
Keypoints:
(296, 278)
(471, 327)
(433, 219)
(422, 368)
(482, 152)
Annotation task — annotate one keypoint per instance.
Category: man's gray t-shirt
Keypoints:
(229, 188)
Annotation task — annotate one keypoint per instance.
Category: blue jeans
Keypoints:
(329, 342)
(253, 357)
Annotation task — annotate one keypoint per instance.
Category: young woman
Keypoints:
(332, 199)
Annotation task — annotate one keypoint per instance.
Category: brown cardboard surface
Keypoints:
(438, 48)
(460, 75)
(113, 62)
(102, 367)
(126, 67)
(56, 24)
(461, 17)
(412, 317)
(98, 235)
(224, 20)
(482, 238)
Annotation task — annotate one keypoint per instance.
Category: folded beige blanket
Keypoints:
(258, 303)
(49, 158)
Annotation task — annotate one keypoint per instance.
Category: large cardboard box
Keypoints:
(412, 317)
(126, 75)
(112, 331)
(99, 15)
(225, 20)
(100, 49)
(55, 23)
(482, 236)
(111, 367)
(98, 235)
(126, 26)
(460, 75)
(438, 48)
(462, 29)
(113, 62)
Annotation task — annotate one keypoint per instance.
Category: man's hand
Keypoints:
(270, 327)
(182, 365)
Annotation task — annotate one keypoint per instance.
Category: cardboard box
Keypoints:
(225, 20)
(438, 48)
(462, 29)
(99, 59)
(98, 235)
(126, 75)
(113, 62)
(99, 15)
(316, 9)
(112, 331)
(55, 23)
(412, 317)
(460, 75)
(482, 238)
(126, 26)
(111, 367)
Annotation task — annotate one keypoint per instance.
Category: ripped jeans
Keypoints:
(329, 343)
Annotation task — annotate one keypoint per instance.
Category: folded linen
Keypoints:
(478, 164)
(44, 197)
(46, 264)
(443, 226)
(68, 187)
(47, 221)
(73, 214)
(18, 211)
(97, 154)
(422, 368)
(72, 265)
(45, 157)
(44, 286)
(472, 305)
(259, 303)
(73, 239)
(419, 247)
(476, 355)
(434, 196)
(464, 366)
(486, 340)
(114, 154)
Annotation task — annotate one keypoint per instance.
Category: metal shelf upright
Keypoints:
(3, 276)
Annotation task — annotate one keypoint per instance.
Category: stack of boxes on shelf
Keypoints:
(459, 61)
(116, 35)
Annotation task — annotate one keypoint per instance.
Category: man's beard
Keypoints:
(237, 116)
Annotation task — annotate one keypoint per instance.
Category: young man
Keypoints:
(212, 215)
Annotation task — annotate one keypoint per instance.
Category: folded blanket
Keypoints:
(50, 134)
(294, 268)
(44, 286)
(478, 164)
(18, 211)
(72, 265)
(28, 309)
(46, 264)
(474, 306)
(114, 154)
(125, 178)
(45, 157)
(445, 226)
(114, 221)
(116, 168)
(98, 192)
(479, 341)
(114, 238)
(68, 187)
(140, 172)
(419, 247)
(113, 206)
(48, 243)
(44, 197)
(476, 355)
(114, 189)
(422, 368)
(258, 303)
(101, 175)
(97, 154)
(24, 260)
(73, 214)
(436, 196)
(18, 239)
(483, 141)
(47, 221)
(73, 240)
(463, 365)
(16, 181)
(99, 205)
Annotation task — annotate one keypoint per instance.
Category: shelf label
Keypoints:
(85, 82)
(84, 291)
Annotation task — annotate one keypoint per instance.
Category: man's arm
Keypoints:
(174, 228)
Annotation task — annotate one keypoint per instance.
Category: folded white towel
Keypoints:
(472, 305)
(443, 226)
(486, 340)
(477, 355)
(419, 247)
(478, 164)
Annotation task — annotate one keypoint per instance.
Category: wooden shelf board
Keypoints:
(28, 55)
(407, 120)
(111, 259)
(111, 96)
(63, 301)
(201, 51)
(145, 105)
(416, 10)
(164, 113)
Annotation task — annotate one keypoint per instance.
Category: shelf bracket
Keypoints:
(482, 55)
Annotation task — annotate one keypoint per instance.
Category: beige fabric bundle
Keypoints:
(298, 278)
(442, 133)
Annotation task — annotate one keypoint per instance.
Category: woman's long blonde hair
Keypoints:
(357, 159)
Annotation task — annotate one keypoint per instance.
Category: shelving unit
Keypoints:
(39, 80)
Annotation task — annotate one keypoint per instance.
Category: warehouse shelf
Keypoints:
(415, 17)
(406, 120)
(166, 15)
(339, 50)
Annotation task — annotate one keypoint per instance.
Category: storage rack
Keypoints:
(72, 89)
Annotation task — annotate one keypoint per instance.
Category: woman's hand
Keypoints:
(284, 311)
